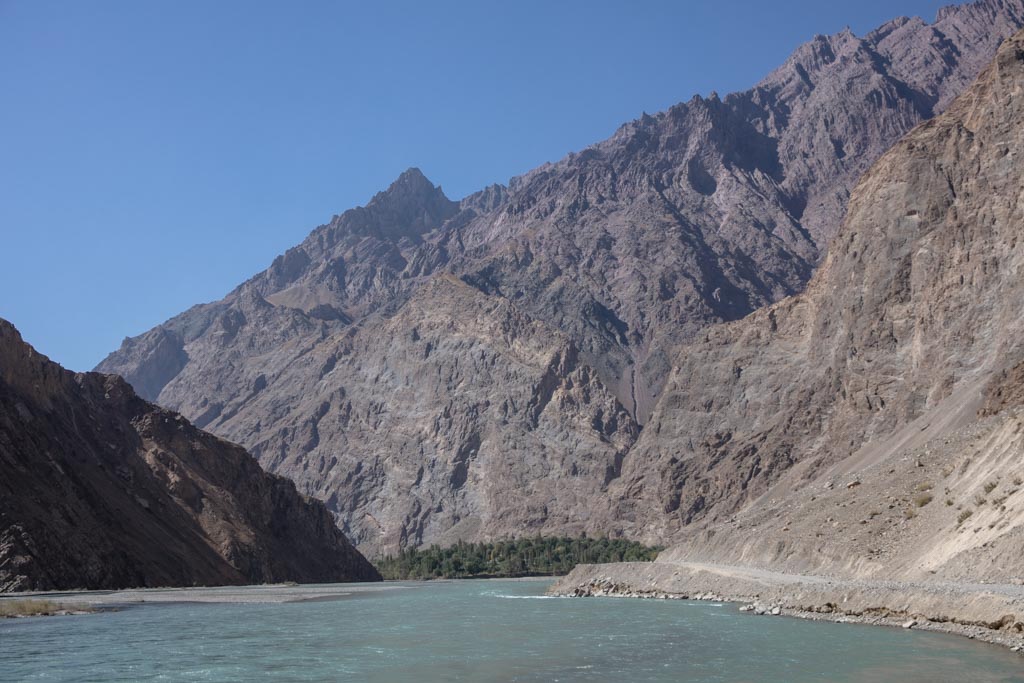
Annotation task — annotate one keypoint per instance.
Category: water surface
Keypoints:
(480, 631)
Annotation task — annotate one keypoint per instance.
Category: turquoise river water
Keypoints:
(480, 631)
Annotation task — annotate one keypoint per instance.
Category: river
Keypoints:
(498, 630)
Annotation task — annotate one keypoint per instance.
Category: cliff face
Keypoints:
(854, 406)
(100, 489)
(460, 416)
(614, 257)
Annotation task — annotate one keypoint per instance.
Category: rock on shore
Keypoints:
(993, 613)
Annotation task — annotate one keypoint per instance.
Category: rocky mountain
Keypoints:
(401, 430)
(607, 260)
(100, 489)
(874, 422)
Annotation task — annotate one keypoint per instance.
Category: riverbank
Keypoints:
(252, 595)
(256, 594)
(992, 613)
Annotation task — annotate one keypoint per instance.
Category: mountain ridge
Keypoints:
(630, 248)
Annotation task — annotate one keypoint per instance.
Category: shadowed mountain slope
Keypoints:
(100, 489)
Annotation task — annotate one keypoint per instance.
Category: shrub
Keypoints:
(963, 516)
(922, 499)
(925, 486)
(989, 487)
(547, 556)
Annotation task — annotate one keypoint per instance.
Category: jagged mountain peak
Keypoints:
(410, 184)
(412, 180)
(990, 7)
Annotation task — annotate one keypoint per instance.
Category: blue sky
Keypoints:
(155, 154)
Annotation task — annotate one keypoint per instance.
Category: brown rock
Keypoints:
(100, 489)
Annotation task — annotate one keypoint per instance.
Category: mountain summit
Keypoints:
(410, 207)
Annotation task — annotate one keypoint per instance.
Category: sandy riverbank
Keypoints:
(279, 593)
(992, 613)
(258, 594)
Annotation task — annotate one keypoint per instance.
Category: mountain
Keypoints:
(612, 257)
(400, 426)
(873, 424)
(718, 206)
(100, 489)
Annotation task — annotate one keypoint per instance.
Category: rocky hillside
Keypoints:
(458, 417)
(100, 489)
(607, 260)
(872, 423)
(718, 206)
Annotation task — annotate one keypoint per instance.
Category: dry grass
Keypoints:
(925, 486)
(36, 608)
(922, 499)
(27, 608)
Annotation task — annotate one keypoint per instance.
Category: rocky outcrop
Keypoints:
(100, 489)
(613, 256)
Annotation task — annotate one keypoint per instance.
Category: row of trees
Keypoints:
(538, 556)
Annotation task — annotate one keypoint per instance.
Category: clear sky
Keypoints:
(154, 154)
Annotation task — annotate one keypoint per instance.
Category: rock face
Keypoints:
(602, 264)
(853, 407)
(399, 427)
(100, 489)
(717, 207)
